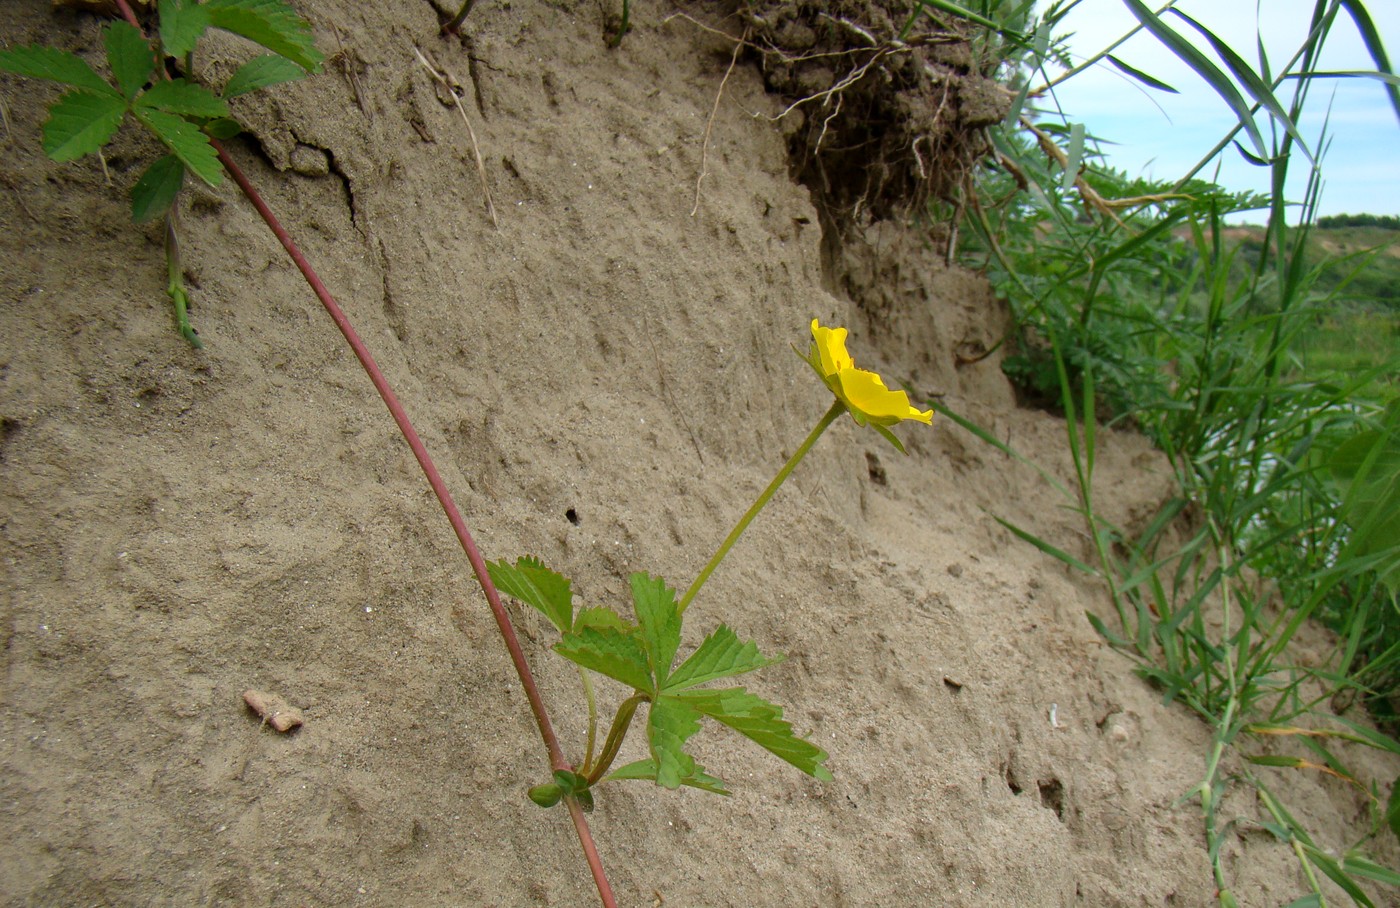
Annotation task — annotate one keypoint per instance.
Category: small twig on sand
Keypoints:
(447, 81)
(710, 123)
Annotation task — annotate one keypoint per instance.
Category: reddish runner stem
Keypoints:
(557, 759)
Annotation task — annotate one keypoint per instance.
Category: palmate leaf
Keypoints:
(271, 23)
(646, 770)
(81, 122)
(669, 724)
(537, 586)
(55, 65)
(609, 651)
(722, 655)
(129, 55)
(659, 616)
(184, 138)
(182, 22)
(153, 194)
(759, 721)
(177, 96)
(260, 72)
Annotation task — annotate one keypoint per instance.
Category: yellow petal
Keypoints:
(831, 349)
(865, 392)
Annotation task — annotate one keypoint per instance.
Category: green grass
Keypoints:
(1262, 362)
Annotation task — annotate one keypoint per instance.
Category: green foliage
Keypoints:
(640, 656)
(1133, 302)
(182, 114)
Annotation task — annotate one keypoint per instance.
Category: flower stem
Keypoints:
(837, 408)
(621, 722)
(592, 719)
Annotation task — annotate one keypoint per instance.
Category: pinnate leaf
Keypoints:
(722, 655)
(153, 194)
(271, 23)
(759, 721)
(260, 72)
(537, 586)
(177, 96)
(129, 55)
(669, 724)
(646, 770)
(660, 620)
(184, 138)
(182, 22)
(81, 122)
(55, 65)
(611, 652)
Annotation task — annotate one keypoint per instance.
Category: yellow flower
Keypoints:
(863, 393)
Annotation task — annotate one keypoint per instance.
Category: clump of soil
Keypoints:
(884, 118)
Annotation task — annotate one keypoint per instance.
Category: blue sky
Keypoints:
(1361, 168)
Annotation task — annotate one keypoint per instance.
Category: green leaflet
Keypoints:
(129, 56)
(646, 770)
(669, 724)
(537, 586)
(260, 72)
(759, 721)
(153, 194)
(184, 138)
(609, 651)
(722, 655)
(177, 96)
(81, 122)
(56, 66)
(271, 23)
(660, 620)
(182, 24)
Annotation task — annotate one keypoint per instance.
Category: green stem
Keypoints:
(175, 284)
(592, 719)
(837, 408)
(621, 722)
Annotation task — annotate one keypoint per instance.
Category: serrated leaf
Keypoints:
(271, 23)
(722, 655)
(537, 586)
(669, 724)
(659, 616)
(222, 128)
(601, 616)
(182, 23)
(759, 721)
(81, 122)
(177, 96)
(617, 654)
(129, 55)
(184, 138)
(260, 72)
(55, 65)
(645, 770)
(153, 194)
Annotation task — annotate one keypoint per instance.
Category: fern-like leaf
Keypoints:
(260, 72)
(184, 138)
(271, 23)
(38, 62)
(81, 122)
